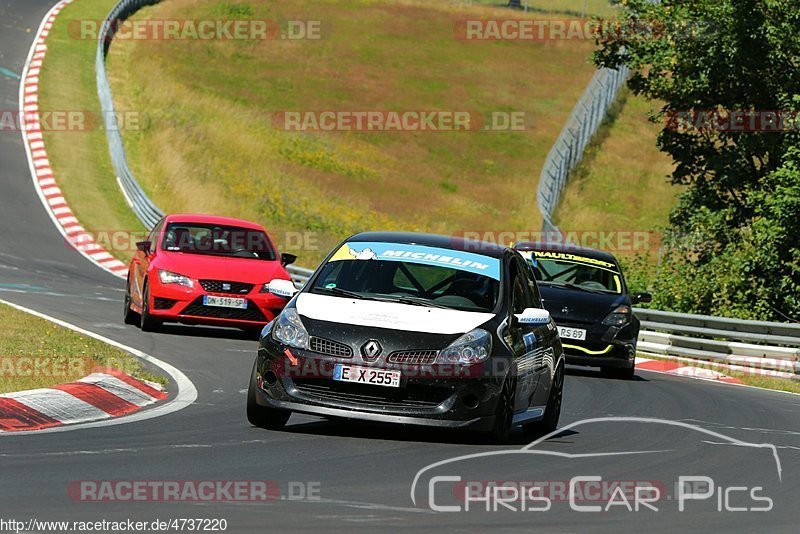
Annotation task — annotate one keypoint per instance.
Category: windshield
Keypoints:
(412, 274)
(216, 240)
(563, 268)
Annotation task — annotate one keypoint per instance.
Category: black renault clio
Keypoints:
(412, 329)
(585, 291)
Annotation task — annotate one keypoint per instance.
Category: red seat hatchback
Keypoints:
(199, 269)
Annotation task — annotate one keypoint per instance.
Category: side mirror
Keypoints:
(282, 288)
(641, 298)
(144, 246)
(288, 259)
(532, 316)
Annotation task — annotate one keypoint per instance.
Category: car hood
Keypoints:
(581, 306)
(206, 267)
(388, 315)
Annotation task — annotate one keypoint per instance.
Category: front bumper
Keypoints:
(177, 303)
(427, 396)
(603, 347)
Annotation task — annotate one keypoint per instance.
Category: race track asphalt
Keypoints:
(363, 472)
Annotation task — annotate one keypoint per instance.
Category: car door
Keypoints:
(525, 339)
(142, 260)
(547, 340)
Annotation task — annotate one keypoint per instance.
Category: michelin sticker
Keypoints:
(455, 259)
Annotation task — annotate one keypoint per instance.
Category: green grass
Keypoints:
(35, 353)
(766, 382)
(622, 184)
(211, 145)
(81, 159)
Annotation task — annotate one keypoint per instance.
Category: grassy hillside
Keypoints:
(622, 183)
(212, 146)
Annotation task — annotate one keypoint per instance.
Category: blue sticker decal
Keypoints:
(530, 341)
(441, 257)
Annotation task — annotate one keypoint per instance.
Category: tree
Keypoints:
(731, 249)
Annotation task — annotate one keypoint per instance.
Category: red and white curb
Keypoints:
(99, 396)
(42, 173)
(97, 400)
(682, 369)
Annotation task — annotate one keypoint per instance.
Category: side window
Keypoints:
(520, 291)
(532, 285)
(155, 233)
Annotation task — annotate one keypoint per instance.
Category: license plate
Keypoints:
(571, 333)
(225, 302)
(366, 375)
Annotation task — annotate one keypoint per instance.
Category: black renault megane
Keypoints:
(412, 329)
(585, 291)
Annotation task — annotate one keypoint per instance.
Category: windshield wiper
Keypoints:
(338, 291)
(416, 301)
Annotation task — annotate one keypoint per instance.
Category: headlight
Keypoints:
(289, 329)
(619, 317)
(472, 347)
(174, 278)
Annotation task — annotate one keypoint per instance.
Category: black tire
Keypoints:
(553, 411)
(504, 413)
(261, 416)
(129, 316)
(146, 321)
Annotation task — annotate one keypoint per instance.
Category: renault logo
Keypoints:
(371, 350)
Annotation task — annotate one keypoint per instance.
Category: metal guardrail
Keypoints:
(140, 203)
(583, 122)
(748, 344)
(698, 337)
(300, 275)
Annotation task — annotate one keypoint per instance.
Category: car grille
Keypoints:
(373, 396)
(197, 309)
(413, 357)
(161, 303)
(235, 288)
(331, 348)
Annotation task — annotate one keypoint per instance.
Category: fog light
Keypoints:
(471, 401)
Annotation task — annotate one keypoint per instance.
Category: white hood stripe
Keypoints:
(391, 315)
